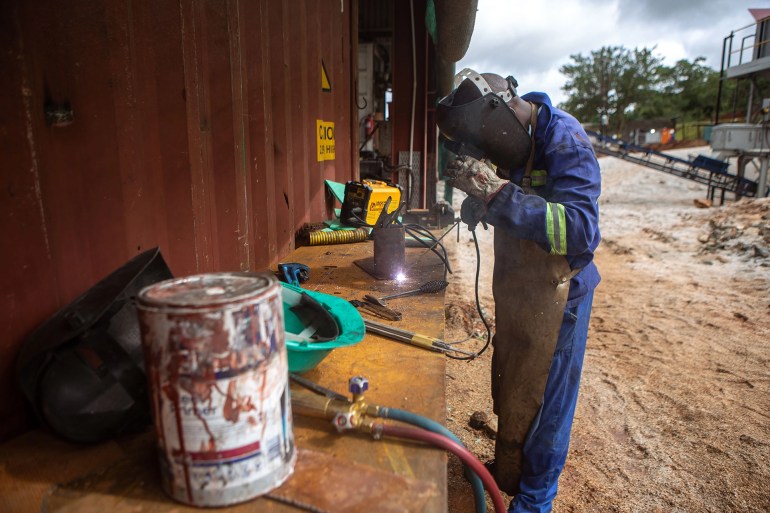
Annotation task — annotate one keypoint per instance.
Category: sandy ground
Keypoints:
(674, 408)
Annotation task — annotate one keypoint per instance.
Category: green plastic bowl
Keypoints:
(304, 356)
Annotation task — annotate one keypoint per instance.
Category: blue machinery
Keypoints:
(705, 170)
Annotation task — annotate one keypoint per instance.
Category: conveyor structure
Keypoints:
(702, 169)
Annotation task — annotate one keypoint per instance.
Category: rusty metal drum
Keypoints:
(217, 369)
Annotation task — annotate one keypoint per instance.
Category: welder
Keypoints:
(536, 180)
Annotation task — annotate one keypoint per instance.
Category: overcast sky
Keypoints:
(532, 39)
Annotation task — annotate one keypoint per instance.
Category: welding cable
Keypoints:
(431, 425)
(478, 303)
(436, 242)
(422, 435)
(461, 341)
(478, 306)
(414, 230)
(318, 389)
(427, 234)
(449, 229)
(419, 235)
(357, 219)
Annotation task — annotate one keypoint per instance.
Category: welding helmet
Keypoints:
(477, 113)
(82, 370)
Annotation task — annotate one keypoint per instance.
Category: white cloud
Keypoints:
(532, 39)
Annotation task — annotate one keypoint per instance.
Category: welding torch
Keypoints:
(415, 339)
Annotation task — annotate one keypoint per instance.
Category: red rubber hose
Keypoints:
(445, 443)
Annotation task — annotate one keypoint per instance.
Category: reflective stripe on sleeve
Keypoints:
(539, 177)
(556, 224)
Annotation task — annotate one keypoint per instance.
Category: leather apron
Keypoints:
(530, 288)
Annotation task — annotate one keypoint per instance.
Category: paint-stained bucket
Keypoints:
(218, 377)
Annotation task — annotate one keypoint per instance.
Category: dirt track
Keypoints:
(674, 408)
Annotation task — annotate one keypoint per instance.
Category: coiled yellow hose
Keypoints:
(320, 238)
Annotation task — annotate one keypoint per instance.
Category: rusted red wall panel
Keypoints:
(158, 188)
(298, 81)
(194, 130)
(279, 17)
(315, 97)
(27, 281)
(404, 79)
(343, 114)
(261, 161)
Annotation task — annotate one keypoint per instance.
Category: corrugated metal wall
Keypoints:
(193, 129)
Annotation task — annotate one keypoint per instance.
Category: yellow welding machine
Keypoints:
(365, 200)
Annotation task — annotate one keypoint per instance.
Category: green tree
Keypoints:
(613, 81)
(689, 88)
(590, 83)
(635, 84)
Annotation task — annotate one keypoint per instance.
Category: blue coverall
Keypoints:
(562, 218)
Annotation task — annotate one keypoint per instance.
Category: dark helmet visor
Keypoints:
(488, 124)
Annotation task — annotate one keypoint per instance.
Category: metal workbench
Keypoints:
(334, 473)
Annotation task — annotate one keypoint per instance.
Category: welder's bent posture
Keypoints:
(538, 185)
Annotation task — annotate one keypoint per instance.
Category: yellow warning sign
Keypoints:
(325, 131)
(326, 84)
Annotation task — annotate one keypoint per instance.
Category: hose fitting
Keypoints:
(345, 415)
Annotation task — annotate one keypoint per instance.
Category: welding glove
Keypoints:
(472, 212)
(474, 177)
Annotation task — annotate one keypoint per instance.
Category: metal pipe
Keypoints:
(721, 78)
(309, 404)
(414, 107)
(762, 185)
(424, 341)
(751, 101)
(743, 47)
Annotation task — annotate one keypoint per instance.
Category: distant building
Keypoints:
(650, 131)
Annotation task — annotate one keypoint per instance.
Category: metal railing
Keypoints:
(749, 48)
